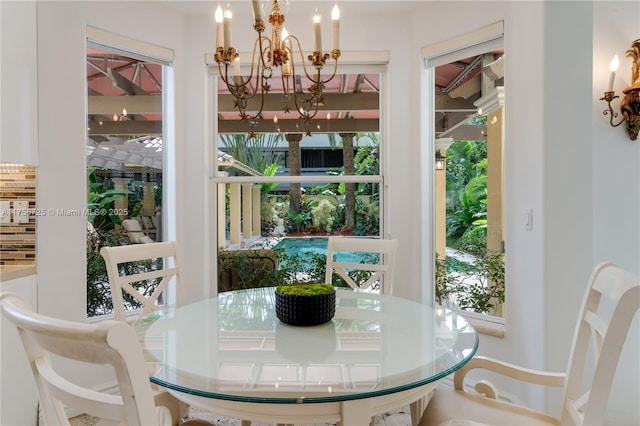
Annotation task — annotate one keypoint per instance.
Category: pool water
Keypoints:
(306, 247)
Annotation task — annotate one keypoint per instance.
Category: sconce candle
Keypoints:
(613, 67)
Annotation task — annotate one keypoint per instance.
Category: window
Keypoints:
(325, 181)
(468, 133)
(126, 152)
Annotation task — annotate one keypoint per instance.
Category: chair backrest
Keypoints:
(160, 257)
(610, 303)
(105, 343)
(381, 272)
(135, 233)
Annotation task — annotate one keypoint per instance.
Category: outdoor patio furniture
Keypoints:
(135, 233)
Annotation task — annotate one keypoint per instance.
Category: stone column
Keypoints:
(235, 233)
(222, 213)
(121, 204)
(247, 216)
(148, 199)
(295, 194)
(440, 200)
(495, 167)
(257, 217)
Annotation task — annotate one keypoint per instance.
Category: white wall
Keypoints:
(567, 180)
(615, 198)
(19, 99)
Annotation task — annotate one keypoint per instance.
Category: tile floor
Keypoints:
(396, 418)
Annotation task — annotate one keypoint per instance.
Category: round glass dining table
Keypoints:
(230, 355)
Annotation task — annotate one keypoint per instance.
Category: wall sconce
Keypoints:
(440, 161)
(630, 104)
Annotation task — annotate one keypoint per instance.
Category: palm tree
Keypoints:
(257, 152)
(295, 193)
(348, 164)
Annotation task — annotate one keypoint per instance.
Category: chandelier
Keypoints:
(268, 54)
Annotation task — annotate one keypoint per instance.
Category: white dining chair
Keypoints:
(121, 279)
(115, 257)
(380, 273)
(378, 270)
(611, 300)
(108, 342)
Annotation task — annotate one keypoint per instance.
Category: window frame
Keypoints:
(468, 44)
(353, 61)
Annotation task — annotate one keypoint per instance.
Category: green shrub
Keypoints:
(476, 287)
(323, 215)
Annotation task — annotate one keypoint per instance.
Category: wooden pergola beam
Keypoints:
(296, 126)
(139, 104)
(368, 101)
(125, 128)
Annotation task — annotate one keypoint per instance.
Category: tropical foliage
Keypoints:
(467, 195)
(258, 152)
(478, 286)
(251, 271)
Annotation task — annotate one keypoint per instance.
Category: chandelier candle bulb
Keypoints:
(317, 33)
(257, 10)
(613, 67)
(236, 71)
(219, 27)
(227, 29)
(335, 16)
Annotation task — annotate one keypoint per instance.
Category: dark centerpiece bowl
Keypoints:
(305, 303)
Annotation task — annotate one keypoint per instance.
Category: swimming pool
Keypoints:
(308, 246)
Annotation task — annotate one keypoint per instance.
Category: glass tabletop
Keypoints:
(233, 347)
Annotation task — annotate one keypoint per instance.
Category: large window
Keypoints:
(278, 180)
(126, 154)
(468, 144)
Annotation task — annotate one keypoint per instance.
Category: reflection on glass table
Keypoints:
(231, 355)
